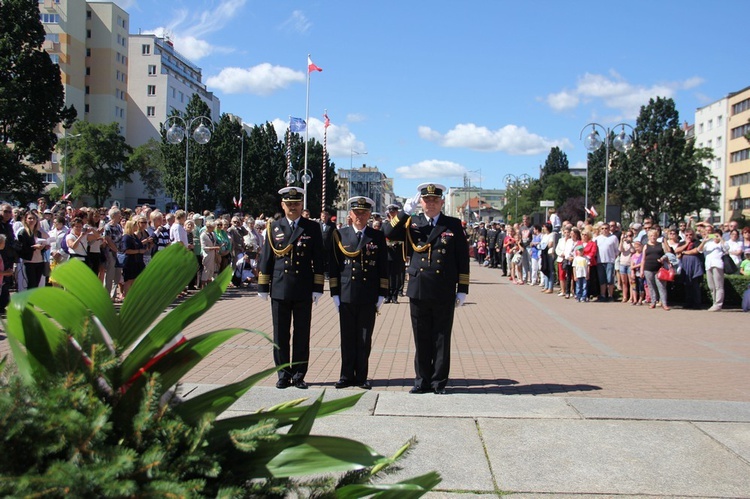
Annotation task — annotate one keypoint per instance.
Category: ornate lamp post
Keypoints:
(622, 142)
(176, 134)
(519, 181)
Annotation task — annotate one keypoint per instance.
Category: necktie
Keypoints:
(292, 225)
(432, 222)
(359, 236)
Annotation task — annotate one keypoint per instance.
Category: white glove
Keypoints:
(381, 299)
(316, 297)
(460, 299)
(263, 296)
(336, 301)
(411, 204)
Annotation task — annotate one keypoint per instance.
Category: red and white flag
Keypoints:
(65, 197)
(311, 66)
(592, 211)
(327, 122)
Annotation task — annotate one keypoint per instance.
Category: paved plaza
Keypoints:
(548, 397)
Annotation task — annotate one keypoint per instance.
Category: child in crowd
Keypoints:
(481, 250)
(580, 274)
(745, 264)
(639, 292)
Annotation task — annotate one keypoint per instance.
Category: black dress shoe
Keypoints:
(365, 386)
(342, 383)
(440, 391)
(300, 383)
(416, 389)
(283, 383)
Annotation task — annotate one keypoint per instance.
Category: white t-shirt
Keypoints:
(713, 252)
(178, 234)
(608, 247)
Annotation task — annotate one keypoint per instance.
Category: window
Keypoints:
(85, 108)
(718, 142)
(740, 156)
(700, 128)
(88, 33)
(55, 58)
(740, 131)
(710, 124)
(145, 49)
(49, 178)
(88, 52)
(151, 69)
(88, 90)
(88, 14)
(151, 90)
(49, 18)
(52, 37)
(741, 179)
(719, 120)
(741, 106)
(150, 111)
(740, 204)
(88, 71)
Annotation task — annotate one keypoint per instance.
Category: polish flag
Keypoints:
(65, 197)
(327, 122)
(311, 66)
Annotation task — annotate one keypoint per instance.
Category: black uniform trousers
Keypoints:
(432, 322)
(283, 312)
(357, 322)
(396, 270)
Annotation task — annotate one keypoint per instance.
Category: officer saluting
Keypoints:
(396, 260)
(359, 282)
(291, 269)
(438, 281)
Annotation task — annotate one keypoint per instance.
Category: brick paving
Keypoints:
(511, 339)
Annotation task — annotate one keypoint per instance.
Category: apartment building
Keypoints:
(710, 131)
(738, 156)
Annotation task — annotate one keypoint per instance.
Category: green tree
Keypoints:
(97, 161)
(556, 162)
(562, 186)
(664, 171)
(31, 99)
(147, 161)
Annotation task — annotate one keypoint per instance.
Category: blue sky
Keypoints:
(432, 90)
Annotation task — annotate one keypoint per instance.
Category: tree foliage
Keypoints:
(98, 160)
(556, 162)
(663, 172)
(214, 168)
(147, 161)
(31, 98)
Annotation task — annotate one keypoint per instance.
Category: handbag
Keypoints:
(666, 274)
(729, 266)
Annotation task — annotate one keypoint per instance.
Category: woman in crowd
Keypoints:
(713, 248)
(735, 247)
(568, 255)
(746, 239)
(536, 264)
(626, 254)
(548, 257)
(510, 246)
(77, 240)
(135, 247)
(691, 261)
(56, 236)
(652, 261)
(210, 249)
(590, 251)
(225, 243)
(94, 257)
(563, 273)
(33, 242)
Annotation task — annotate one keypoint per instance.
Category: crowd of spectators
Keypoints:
(603, 262)
(117, 244)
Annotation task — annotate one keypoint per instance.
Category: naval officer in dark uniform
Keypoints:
(396, 260)
(291, 270)
(358, 269)
(438, 281)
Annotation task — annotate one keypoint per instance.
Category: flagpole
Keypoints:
(288, 151)
(325, 157)
(307, 132)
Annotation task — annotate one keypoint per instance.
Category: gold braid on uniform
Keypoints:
(419, 249)
(281, 252)
(348, 254)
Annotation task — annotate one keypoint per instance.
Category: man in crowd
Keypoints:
(438, 281)
(359, 282)
(291, 270)
(113, 233)
(607, 248)
(326, 228)
(8, 253)
(491, 237)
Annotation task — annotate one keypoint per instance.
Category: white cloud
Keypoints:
(297, 22)
(433, 168)
(355, 118)
(189, 32)
(263, 79)
(616, 93)
(510, 139)
(340, 143)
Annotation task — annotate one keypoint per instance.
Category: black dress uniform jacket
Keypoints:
(359, 268)
(291, 264)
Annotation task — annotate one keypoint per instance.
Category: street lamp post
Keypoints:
(65, 164)
(622, 142)
(176, 134)
(517, 182)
